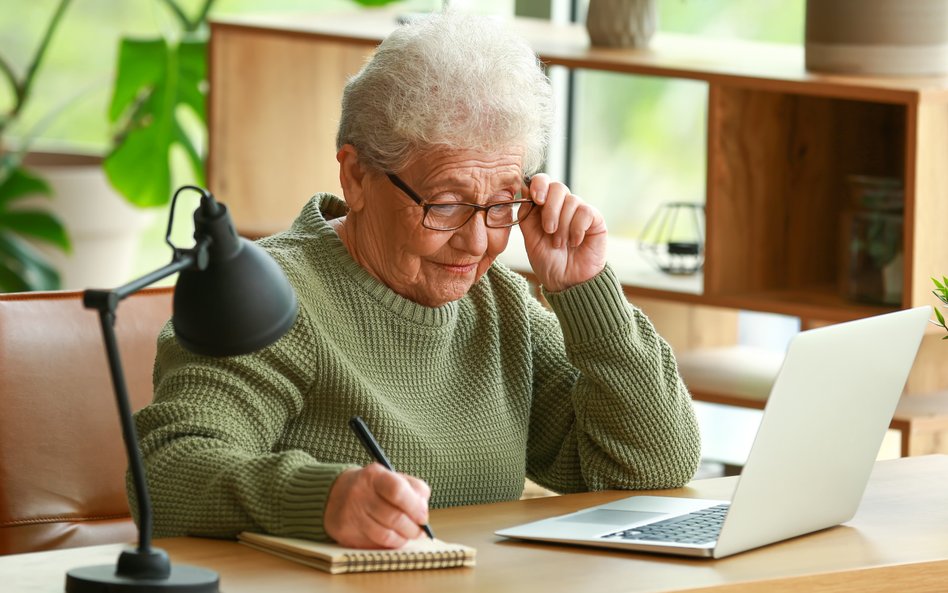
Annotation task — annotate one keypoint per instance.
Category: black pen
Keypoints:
(375, 451)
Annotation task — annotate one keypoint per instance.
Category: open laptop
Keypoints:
(824, 422)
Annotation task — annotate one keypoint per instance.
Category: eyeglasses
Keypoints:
(454, 215)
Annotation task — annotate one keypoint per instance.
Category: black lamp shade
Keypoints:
(235, 306)
(237, 300)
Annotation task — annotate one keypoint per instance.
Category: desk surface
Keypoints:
(897, 541)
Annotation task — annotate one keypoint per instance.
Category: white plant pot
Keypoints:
(105, 230)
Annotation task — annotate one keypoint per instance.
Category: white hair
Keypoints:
(451, 81)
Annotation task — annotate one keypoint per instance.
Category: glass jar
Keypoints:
(871, 255)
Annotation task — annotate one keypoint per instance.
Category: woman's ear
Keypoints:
(351, 177)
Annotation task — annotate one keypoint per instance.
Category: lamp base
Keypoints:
(102, 579)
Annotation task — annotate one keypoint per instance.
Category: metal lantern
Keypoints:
(673, 238)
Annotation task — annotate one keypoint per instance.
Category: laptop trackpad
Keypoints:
(609, 517)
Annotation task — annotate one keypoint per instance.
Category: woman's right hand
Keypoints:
(372, 507)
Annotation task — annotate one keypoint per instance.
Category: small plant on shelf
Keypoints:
(941, 291)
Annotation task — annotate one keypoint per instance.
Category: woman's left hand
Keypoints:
(564, 236)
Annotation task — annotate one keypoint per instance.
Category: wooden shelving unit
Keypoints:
(780, 143)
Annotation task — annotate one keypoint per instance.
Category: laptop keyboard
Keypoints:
(700, 527)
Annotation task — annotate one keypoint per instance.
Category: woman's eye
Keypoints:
(445, 209)
(502, 209)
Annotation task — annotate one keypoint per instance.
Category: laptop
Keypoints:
(824, 422)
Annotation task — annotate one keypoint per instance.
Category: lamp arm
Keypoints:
(184, 259)
(106, 302)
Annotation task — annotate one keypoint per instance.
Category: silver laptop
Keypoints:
(825, 419)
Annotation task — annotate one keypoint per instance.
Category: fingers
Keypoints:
(564, 217)
(373, 507)
(550, 197)
(422, 489)
(386, 531)
(583, 220)
(400, 493)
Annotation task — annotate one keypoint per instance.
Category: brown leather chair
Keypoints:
(62, 462)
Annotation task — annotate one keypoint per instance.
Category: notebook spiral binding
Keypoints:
(373, 561)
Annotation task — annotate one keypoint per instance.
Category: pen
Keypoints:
(375, 451)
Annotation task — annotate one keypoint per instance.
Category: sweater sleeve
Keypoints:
(208, 438)
(609, 408)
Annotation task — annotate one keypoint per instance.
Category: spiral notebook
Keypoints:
(419, 554)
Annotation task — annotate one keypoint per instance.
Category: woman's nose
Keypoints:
(472, 237)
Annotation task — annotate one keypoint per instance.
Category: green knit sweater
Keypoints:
(471, 396)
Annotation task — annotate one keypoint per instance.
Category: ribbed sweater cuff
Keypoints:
(592, 309)
(304, 500)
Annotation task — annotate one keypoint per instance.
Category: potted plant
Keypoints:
(22, 267)
(155, 79)
(941, 291)
(103, 201)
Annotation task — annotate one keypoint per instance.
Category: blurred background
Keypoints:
(626, 132)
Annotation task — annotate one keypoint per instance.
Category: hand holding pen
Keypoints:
(375, 451)
(374, 507)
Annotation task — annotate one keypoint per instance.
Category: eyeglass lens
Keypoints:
(453, 216)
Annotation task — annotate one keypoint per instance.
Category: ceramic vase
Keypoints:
(621, 23)
(877, 37)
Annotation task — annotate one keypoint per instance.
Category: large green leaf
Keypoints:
(19, 183)
(154, 79)
(141, 63)
(192, 63)
(42, 226)
(10, 281)
(22, 268)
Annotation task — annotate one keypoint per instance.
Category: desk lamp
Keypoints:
(230, 298)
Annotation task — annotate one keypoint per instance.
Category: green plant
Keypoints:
(155, 80)
(22, 267)
(941, 291)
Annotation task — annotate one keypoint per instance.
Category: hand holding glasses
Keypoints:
(565, 242)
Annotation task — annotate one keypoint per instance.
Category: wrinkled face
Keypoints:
(426, 266)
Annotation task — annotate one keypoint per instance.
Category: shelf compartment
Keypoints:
(820, 302)
(777, 169)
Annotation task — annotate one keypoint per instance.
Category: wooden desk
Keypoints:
(898, 541)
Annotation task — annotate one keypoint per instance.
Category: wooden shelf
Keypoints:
(765, 66)
(821, 302)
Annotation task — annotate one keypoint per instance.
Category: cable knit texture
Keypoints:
(472, 397)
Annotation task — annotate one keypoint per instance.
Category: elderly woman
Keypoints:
(467, 381)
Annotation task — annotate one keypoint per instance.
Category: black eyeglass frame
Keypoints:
(475, 208)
